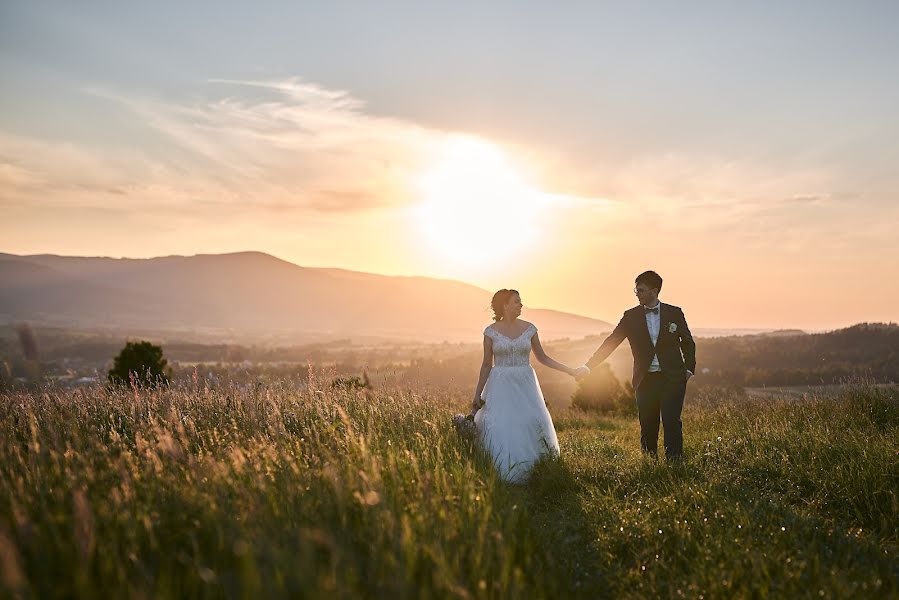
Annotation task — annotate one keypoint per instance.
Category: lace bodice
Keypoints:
(508, 352)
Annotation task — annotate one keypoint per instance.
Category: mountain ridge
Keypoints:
(251, 293)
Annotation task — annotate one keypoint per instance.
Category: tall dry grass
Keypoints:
(305, 490)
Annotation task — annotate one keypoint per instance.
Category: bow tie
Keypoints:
(651, 310)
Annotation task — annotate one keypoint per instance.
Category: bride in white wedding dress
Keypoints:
(511, 416)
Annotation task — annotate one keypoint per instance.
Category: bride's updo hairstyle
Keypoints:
(500, 299)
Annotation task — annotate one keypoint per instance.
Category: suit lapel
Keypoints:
(641, 326)
(664, 317)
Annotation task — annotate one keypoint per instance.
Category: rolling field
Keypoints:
(314, 492)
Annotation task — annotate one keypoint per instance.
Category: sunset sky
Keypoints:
(748, 152)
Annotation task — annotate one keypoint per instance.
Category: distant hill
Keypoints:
(863, 351)
(252, 295)
(784, 333)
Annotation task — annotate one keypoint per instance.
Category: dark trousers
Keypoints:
(659, 395)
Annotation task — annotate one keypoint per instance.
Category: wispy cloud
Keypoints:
(57, 172)
(289, 146)
(303, 148)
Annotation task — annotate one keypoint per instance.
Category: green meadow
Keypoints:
(313, 492)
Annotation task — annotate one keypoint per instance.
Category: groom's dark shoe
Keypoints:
(650, 454)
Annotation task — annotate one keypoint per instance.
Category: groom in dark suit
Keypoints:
(664, 359)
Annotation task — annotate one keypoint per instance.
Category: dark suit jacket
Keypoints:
(676, 350)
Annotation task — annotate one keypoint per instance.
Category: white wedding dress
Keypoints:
(514, 424)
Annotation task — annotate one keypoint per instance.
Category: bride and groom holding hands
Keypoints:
(510, 414)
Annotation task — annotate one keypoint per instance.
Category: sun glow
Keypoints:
(476, 206)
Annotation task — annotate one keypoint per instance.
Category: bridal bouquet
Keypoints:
(464, 425)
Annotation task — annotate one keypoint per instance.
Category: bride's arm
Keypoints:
(546, 360)
(486, 366)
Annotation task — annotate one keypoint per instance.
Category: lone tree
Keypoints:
(601, 391)
(140, 364)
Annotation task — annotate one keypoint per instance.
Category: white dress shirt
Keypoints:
(654, 323)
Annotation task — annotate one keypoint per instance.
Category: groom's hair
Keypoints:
(499, 301)
(650, 278)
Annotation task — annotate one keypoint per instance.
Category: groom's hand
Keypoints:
(689, 374)
(581, 372)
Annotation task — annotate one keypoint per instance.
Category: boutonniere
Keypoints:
(672, 327)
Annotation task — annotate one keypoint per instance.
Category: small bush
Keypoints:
(140, 364)
(601, 391)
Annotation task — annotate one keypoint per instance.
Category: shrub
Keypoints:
(601, 391)
(140, 364)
